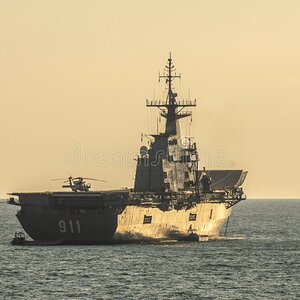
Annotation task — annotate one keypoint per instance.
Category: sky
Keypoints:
(75, 76)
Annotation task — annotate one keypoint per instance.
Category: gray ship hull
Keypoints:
(70, 229)
(203, 220)
(134, 223)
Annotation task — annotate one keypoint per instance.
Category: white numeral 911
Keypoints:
(69, 226)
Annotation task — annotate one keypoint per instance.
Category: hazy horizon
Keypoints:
(75, 76)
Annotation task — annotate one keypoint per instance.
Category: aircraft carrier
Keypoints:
(172, 199)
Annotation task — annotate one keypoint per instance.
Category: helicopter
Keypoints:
(77, 184)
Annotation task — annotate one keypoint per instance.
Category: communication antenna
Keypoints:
(171, 109)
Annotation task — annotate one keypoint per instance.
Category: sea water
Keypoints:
(257, 259)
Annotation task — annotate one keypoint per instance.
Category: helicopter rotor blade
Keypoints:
(77, 178)
(58, 179)
(95, 179)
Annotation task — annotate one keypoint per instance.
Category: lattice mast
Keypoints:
(171, 109)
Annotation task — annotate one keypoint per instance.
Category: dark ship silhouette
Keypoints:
(171, 198)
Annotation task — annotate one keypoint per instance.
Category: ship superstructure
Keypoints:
(169, 166)
(171, 198)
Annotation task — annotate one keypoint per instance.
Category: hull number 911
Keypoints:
(69, 226)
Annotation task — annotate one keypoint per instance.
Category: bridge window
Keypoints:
(186, 158)
(173, 142)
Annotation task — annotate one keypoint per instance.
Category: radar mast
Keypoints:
(171, 109)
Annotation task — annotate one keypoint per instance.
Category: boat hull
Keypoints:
(133, 224)
(204, 220)
(70, 229)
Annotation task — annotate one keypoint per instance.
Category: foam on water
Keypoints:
(230, 238)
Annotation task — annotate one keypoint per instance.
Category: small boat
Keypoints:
(19, 238)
